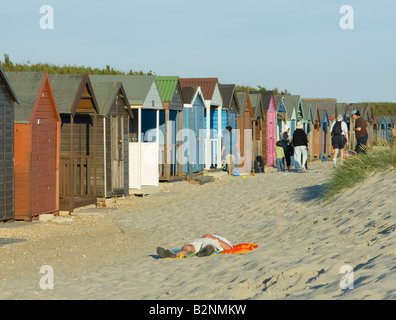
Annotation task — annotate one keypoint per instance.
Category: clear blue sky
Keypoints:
(295, 45)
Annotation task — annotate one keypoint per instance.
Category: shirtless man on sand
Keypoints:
(203, 246)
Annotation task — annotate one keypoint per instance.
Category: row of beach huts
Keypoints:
(69, 140)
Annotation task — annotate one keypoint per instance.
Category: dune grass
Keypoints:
(381, 158)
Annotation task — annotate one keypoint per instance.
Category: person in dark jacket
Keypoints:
(301, 146)
(361, 132)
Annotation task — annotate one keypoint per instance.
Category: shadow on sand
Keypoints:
(5, 241)
(311, 193)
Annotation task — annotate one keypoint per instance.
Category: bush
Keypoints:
(356, 168)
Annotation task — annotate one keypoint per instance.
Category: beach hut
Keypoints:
(292, 105)
(316, 132)
(213, 118)
(37, 128)
(366, 113)
(326, 106)
(245, 132)
(144, 129)
(171, 121)
(113, 171)
(270, 126)
(374, 130)
(230, 104)
(308, 124)
(281, 122)
(258, 132)
(390, 125)
(80, 140)
(8, 98)
(193, 130)
(382, 128)
(325, 136)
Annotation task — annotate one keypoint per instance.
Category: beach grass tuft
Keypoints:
(355, 169)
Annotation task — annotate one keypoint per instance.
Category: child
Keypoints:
(280, 155)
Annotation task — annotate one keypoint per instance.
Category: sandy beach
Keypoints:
(110, 253)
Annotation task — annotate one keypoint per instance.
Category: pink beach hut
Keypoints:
(269, 105)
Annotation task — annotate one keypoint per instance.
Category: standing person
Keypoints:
(301, 146)
(339, 133)
(286, 146)
(230, 149)
(360, 132)
(280, 156)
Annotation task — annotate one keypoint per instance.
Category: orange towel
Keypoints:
(240, 248)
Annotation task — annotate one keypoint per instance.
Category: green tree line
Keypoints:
(8, 65)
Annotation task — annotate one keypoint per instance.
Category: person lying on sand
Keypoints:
(203, 246)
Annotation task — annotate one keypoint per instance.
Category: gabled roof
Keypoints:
(341, 109)
(29, 86)
(167, 87)
(106, 93)
(265, 98)
(208, 85)
(255, 100)
(328, 104)
(307, 112)
(69, 90)
(229, 96)
(190, 94)
(366, 112)
(8, 85)
(138, 88)
(390, 120)
(244, 99)
(291, 104)
(170, 91)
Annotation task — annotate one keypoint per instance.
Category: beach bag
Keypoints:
(337, 129)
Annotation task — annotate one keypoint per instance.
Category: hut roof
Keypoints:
(242, 97)
(69, 89)
(208, 85)
(136, 87)
(189, 94)
(290, 102)
(255, 100)
(167, 86)
(106, 93)
(8, 85)
(366, 112)
(230, 98)
(28, 85)
(265, 98)
(328, 104)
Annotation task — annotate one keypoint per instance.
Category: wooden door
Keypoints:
(117, 152)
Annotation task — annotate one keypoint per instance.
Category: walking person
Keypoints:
(360, 132)
(301, 146)
(339, 133)
(280, 157)
(286, 146)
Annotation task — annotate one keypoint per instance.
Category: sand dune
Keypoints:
(303, 243)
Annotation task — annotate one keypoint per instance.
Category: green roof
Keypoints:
(68, 89)
(137, 87)
(106, 93)
(27, 86)
(167, 86)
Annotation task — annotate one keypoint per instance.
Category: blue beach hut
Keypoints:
(193, 131)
